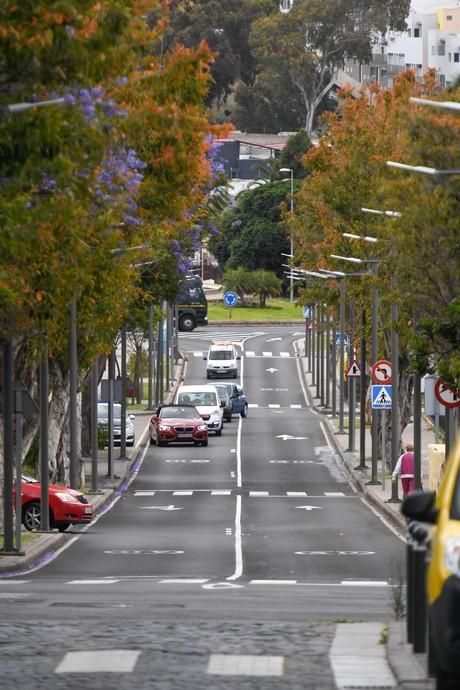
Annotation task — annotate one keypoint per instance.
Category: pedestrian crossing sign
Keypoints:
(381, 397)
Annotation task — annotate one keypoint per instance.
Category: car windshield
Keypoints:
(221, 354)
(179, 412)
(29, 480)
(222, 392)
(103, 411)
(198, 398)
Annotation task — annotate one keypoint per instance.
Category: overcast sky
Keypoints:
(432, 5)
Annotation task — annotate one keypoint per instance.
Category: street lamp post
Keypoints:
(291, 277)
(374, 349)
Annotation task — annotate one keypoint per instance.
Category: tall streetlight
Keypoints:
(291, 277)
(374, 349)
(448, 105)
(395, 415)
(424, 169)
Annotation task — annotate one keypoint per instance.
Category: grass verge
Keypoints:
(276, 310)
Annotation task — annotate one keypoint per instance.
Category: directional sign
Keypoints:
(230, 299)
(354, 371)
(446, 395)
(306, 312)
(381, 371)
(308, 508)
(381, 397)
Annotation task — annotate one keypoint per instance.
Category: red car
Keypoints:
(178, 423)
(67, 506)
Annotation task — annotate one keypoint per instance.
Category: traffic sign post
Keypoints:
(446, 395)
(230, 300)
(381, 372)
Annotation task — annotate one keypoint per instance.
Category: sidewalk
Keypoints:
(407, 667)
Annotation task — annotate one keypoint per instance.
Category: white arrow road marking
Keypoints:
(170, 507)
(271, 370)
(308, 507)
(286, 437)
(222, 585)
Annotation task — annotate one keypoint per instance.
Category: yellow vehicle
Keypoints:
(443, 578)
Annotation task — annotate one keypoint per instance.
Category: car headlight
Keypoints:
(202, 427)
(452, 555)
(164, 427)
(215, 412)
(66, 498)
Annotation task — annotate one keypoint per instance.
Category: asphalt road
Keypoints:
(250, 551)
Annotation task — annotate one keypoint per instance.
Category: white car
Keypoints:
(207, 402)
(103, 421)
(222, 360)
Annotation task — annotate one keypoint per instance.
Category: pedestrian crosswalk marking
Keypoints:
(245, 665)
(99, 661)
(234, 492)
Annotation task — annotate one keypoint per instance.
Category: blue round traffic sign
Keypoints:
(230, 299)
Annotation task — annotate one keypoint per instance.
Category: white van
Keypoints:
(207, 402)
(222, 360)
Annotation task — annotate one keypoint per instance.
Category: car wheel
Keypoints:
(228, 418)
(208, 376)
(219, 432)
(62, 526)
(160, 443)
(31, 516)
(204, 443)
(152, 441)
(244, 411)
(187, 323)
(235, 375)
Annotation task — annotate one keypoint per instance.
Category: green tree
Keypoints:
(308, 44)
(240, 281)
(252, 234)
(292, 154)
(268, 285)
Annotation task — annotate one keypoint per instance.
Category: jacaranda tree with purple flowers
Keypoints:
(120, 161)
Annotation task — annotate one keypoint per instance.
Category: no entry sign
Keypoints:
(446, 395)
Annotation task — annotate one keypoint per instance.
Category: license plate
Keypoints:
(88, 510)
(184, 435)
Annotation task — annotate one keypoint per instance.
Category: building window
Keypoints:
(449, 18)
(417, 33)
(456, 57)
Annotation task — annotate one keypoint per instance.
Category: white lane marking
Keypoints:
(271, 370)
(257, 494)
(272, 406)
(196, 353)
(273, 582)
(182, 581)
(296, 493)
(238, 543)
(245, 665)
(253, 405)
(295, 407)
(14, 595)
(358, 659)
(334, 553)
(364, 583)
(271, 340)
(92, 582)
(182, 493)
(222, 585)
(144, 493)
(102, 661)
(285, 354)
(249, 353)
(228, 532)
(267, 354)
(334, 493)
(223, 492)
(308, 508)
(15, 582)
(239, 469)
